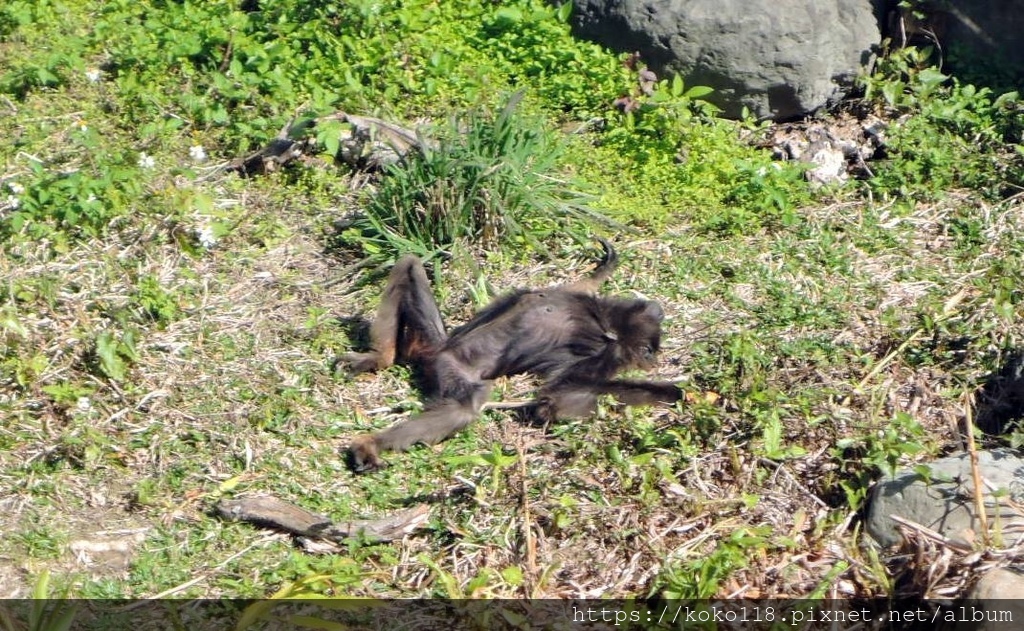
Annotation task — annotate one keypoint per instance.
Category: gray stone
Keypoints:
(994, 603)
(945, 502)
(999, 584)
(779, 58)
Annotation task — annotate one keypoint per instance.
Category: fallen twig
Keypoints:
(276, 513)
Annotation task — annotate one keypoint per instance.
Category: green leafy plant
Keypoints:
(496, 460)
(305, 592)
(702, 576)
(953, 134)
(114, 352)
(664, 155)
(49, 68)
(901, 438)
(902, 76)
(157, 303)
(531, 45)
(67, 394)
(79, 201)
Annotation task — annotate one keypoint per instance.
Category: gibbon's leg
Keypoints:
(408, 323)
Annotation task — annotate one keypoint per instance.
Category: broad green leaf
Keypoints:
(698, 91)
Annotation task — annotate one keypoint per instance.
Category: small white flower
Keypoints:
(16, 188)
(206, 237)
(90, 199)
(146, 161)
(13, 202)
(93, 74)
(82, 126)
(197, 153)
(83, 404)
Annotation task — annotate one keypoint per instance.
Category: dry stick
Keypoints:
(979, 497)
(792, 479)
(931, 534)
(887, 359)
(524, 503)
(947, 312)
(882, 364)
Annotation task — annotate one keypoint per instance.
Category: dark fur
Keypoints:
(573, 339)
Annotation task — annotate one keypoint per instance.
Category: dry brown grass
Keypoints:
(237, 395)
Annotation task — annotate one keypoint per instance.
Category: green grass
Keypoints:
(168, 329)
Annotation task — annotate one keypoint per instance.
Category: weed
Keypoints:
(885, 447)
(157, 303)
(702, 576)
(78, 202)
(114, 352)
(46, 612)
(41, 543)
(496, 461)
(666, 157)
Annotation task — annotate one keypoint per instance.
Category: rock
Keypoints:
(995, 600)
(1001, 400)
(781, 59)
(979, 38)
(945, 503)
(829, 163)
(999, 584)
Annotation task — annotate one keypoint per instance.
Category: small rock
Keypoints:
(834, 148)
(829, 165)
(995, 603)
(999, 584)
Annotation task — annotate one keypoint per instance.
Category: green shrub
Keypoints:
(244, 71)
(167, 75)
(950, 135)
(670, 160)
(52, 59)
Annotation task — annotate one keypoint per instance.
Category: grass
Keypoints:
(488, 179)
(169, 330)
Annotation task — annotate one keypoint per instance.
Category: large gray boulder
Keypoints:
(943, 500)
(781, 59)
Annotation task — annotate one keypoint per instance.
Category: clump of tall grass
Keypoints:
(489, 179)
